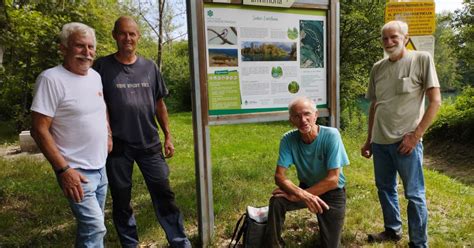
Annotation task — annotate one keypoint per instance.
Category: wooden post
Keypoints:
(202, 143)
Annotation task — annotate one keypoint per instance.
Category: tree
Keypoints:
(462, 23)
(445, 56)
(3, 26)
(29, 39)
(360, 49)
(177, 76)
(166, 25)
(28, 49)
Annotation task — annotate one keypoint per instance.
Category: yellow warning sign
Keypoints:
(410, 45)
(420, 16)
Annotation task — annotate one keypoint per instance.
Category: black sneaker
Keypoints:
(387, 235)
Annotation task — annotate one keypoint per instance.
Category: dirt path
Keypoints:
(14, 151)
(451, 159)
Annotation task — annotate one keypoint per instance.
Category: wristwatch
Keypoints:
(62, 170)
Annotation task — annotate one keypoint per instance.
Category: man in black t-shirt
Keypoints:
(133, 91)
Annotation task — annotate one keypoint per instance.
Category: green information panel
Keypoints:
(260, 58)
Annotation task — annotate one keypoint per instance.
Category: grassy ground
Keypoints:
(33, 212)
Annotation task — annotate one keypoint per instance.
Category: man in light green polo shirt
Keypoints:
(397, 121)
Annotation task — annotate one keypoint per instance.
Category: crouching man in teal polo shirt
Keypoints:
(318, 155)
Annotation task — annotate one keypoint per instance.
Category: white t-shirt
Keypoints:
(77, 107)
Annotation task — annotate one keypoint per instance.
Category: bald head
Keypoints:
(126, 35)
(124, 20)
(302, 100)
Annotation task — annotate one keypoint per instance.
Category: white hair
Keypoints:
(401, 27)
(301, 99)
(73, 28)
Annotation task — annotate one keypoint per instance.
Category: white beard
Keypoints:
(394, 51)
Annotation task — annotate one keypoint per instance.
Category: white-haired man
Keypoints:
(397, 121)
(71, 129)
(318, 155)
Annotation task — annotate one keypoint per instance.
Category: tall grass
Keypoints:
(34, 213)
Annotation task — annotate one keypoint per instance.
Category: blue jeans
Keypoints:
(155, 172)
(387, 162)
(89, 212)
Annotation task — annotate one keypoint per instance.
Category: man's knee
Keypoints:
(161, 189)
(90, 224)
(121, 195)
(277, 203)
(418, 199)
(98, 228)
(92, 234)
(163, 197)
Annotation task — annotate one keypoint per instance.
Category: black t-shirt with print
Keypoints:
(131, 92)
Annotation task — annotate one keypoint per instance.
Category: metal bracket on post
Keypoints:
(201, 132)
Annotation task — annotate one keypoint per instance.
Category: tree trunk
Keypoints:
(161, 7)
(1, 56)
(4, 21)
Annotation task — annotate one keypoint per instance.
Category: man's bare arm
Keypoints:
(329, 183)
(70, 178)
(366, 149)
(286, 188)
(411, 139)
(110, 144)
(162, 117)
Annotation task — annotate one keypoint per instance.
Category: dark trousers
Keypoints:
(330, 221)
(155, 171)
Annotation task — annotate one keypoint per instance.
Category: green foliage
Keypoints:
(463, 24)
(8, 133)
(455, 121)
(147, 47)
(29, 48)
(445, 54)
(175, 70)
(360, 49)
(29, 38)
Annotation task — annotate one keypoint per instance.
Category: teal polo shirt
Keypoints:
(313, 160)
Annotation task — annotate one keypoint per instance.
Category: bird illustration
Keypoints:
(223, 34)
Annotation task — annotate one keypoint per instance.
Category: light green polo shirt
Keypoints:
(398, 88)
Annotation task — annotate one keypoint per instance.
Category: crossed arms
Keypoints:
(310, 196)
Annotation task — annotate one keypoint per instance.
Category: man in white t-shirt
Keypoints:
(70, 127)
(397, 121)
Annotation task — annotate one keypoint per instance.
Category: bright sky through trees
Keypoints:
(449, 5)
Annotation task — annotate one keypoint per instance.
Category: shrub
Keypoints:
(175, 71)
(455, 120)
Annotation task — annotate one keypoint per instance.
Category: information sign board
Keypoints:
(259, 58)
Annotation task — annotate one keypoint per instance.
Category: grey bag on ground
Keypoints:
(252, 228)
